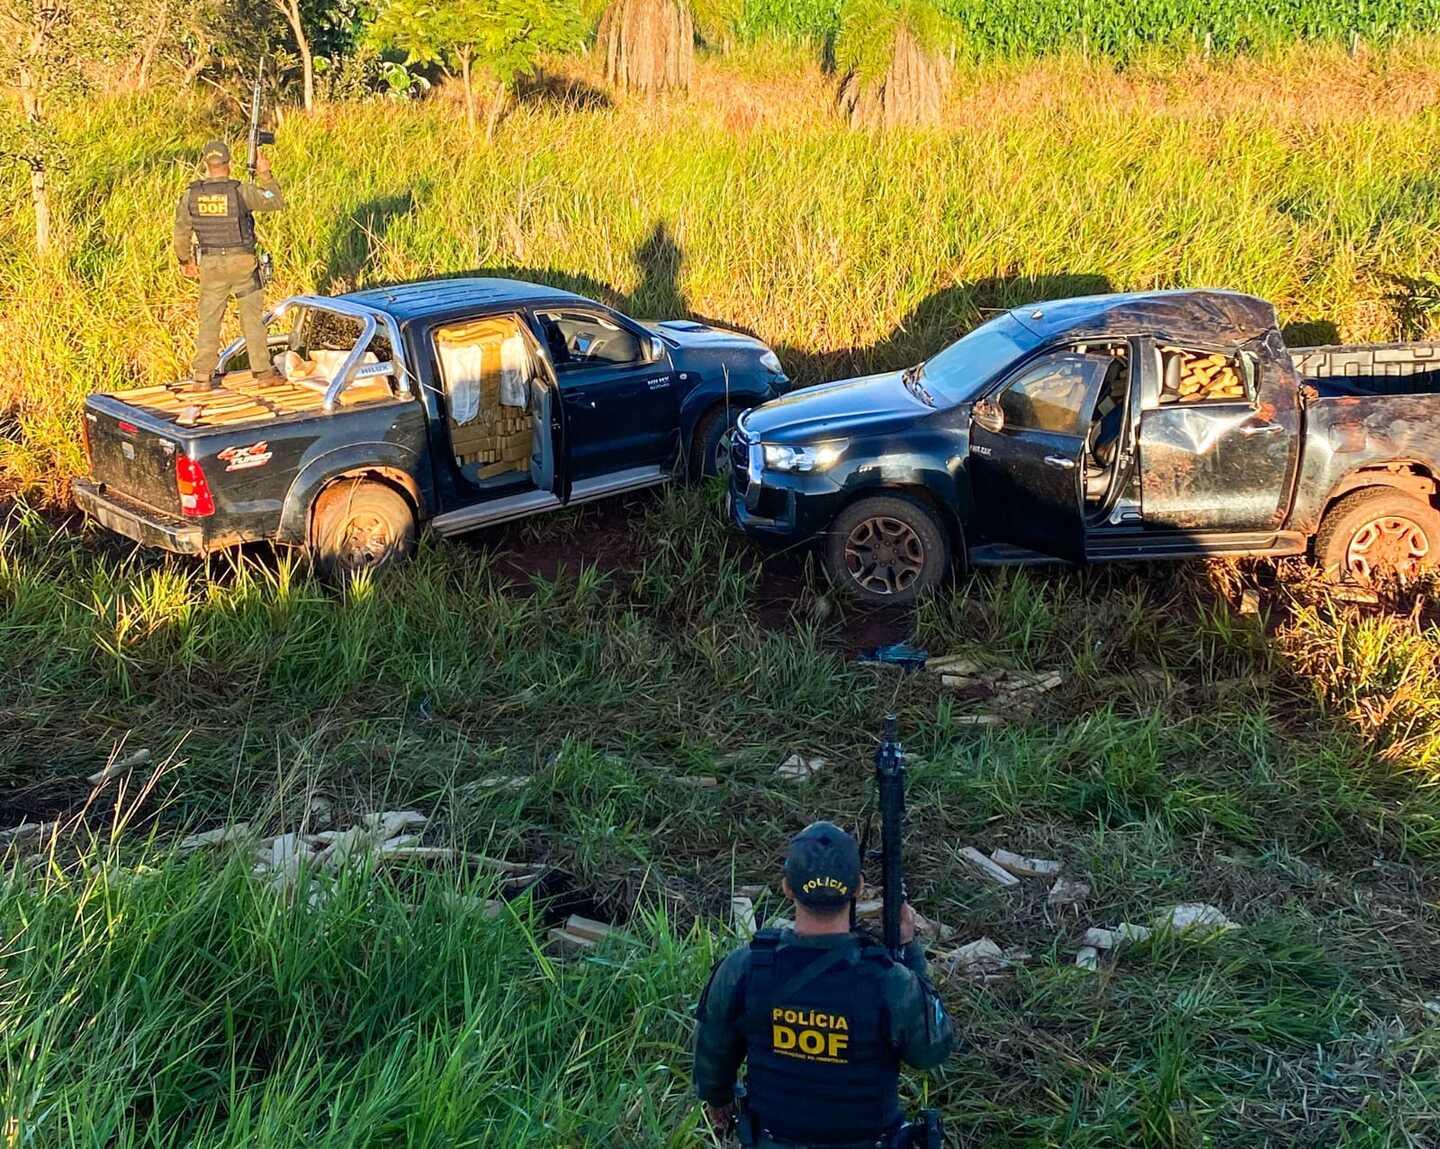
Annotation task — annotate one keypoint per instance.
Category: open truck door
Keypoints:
(548, 471)
(1027, 453)
(502, 409)
(1219, 444)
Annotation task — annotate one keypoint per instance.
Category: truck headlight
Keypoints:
(771, 362)
(814, 458)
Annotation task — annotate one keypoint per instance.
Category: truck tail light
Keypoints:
(195, 498)
(85, 440)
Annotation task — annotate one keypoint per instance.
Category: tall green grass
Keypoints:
(158, 1001)
(154, 999)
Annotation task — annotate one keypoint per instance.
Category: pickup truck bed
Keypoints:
(240, 399)
(1370, 369)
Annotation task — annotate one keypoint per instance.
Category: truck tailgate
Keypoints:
(130, 454)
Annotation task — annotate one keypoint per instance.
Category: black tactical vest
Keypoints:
(219, 217)
(821, 1068)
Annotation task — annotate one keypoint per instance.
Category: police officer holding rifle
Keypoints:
(215, 244)
(821, 1014)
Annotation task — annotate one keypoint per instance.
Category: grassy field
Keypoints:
(1281, 765)
(1305, 177)
(1121, 29)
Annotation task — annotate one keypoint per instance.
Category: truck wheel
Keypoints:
(886, 550)
(360, 525)
(710, 445)
(1377, 532)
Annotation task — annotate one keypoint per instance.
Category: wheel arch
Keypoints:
(388, 463)
(401, 482)
(1409, 476)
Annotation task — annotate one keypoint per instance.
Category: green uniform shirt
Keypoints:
(919, 1027)
(258, 197)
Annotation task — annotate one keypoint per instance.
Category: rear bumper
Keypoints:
(135, 520)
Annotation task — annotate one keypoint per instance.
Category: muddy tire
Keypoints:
(710, 444)
(1377, 533)
(886, 551)
(360, 525)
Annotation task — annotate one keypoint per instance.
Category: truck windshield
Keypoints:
(963, 369)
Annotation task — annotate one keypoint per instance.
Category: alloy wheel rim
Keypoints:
(1390, 544)
(884, 555)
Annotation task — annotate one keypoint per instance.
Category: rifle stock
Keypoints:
(890, 779)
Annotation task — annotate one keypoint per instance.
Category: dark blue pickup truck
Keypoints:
(1144, 426)
(456, 403)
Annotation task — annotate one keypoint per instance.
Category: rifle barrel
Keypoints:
(890, 778)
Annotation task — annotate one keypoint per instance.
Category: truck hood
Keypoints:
(866, 405)
(690, 334)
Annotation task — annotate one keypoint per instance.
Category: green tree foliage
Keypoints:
(503, 38)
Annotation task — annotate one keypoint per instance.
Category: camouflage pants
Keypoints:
(223, 278)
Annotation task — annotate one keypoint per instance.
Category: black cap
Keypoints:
(823, 866)
(216, 152)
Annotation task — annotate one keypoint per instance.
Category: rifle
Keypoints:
(258, 138)
(927, 1131)
(890, 779)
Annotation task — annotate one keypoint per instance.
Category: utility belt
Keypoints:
(264, 265)
(925, 1132)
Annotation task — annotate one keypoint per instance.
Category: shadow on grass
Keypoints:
(355, 240)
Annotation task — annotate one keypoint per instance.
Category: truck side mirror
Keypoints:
(655, 351)
(987, 413)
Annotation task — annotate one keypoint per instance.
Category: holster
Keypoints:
(264, 267)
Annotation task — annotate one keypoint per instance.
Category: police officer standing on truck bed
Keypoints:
(217, 213)
(823, 1016)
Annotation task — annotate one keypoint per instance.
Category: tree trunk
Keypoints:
(910, 95)
(199, 63)
(290, 9)
(497, 109)
(649, 44)
(469, 90)
(152, 47)
(31, 108)
(40, 199)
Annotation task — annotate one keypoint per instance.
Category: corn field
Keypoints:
(1123, 29)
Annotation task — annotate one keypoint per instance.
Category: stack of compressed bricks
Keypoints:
(1205, 378)
(497, 434)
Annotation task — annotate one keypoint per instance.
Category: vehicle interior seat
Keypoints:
(555, 341)
(1170, 388)
(1104, 435)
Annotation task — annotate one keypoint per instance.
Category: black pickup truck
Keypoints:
(1141, 426)
(459, 403)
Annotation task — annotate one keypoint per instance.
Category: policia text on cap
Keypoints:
(822, 1015)
(217, 215)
